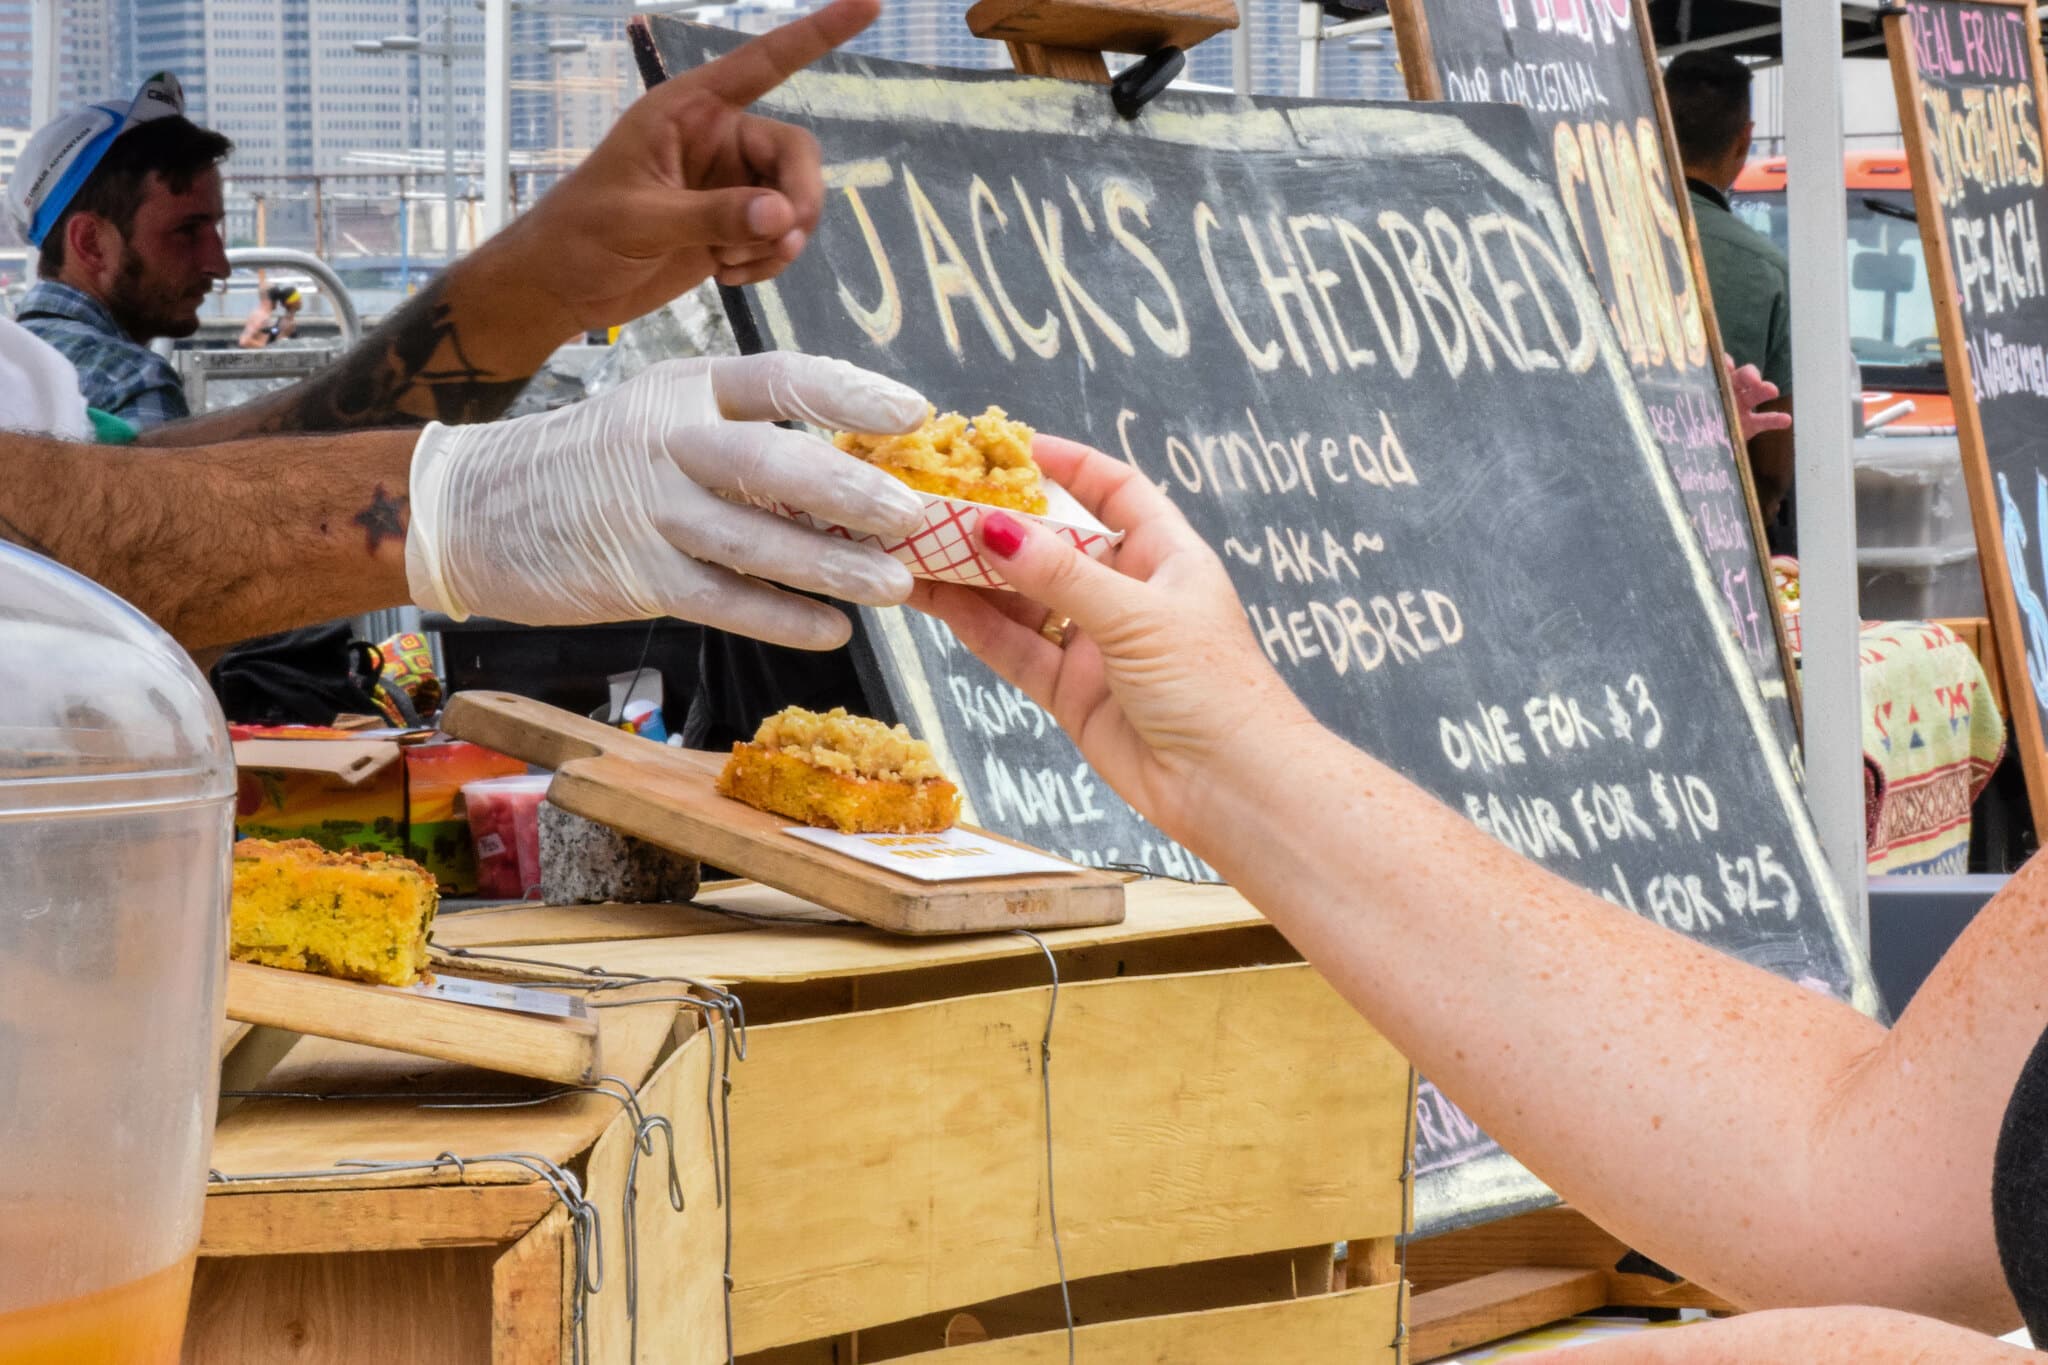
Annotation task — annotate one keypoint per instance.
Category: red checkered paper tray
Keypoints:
(947, 548)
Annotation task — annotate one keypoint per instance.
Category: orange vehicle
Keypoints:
(1891, 309)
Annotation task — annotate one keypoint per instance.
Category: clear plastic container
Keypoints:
(1910, 492)
(1922, 583)
(117, 796)
(504, 819)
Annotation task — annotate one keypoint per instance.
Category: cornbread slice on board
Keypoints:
(843, 772)
(358, 916)
(783, 784)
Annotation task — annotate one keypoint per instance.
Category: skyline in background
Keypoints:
(333, 146)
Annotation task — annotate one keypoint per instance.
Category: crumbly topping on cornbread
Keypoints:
(311, 854)
(991, 448)
(853, 745)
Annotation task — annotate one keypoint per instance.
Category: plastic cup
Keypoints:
(504, 819)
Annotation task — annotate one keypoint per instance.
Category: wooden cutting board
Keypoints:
(666, 797)
(550, 1049)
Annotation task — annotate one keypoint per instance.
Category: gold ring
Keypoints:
(1057, 629)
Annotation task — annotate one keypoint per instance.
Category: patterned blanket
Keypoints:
(1932, 736)
(1931, 725)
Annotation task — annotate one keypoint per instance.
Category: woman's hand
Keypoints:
(1161, 680)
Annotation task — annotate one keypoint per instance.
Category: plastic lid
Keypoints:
(529, 782)
(99, 708)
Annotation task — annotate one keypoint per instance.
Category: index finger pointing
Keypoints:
(753, 69)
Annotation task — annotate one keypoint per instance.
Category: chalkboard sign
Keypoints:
(1357, 346)
(1587, 73)
(1969, 82)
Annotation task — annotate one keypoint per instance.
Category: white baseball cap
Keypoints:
(62, 155)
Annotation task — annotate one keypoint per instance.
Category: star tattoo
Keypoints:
(383, 519)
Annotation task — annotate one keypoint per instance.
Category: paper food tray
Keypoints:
(947, 548)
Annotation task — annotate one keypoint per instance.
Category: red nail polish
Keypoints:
(1003, 534)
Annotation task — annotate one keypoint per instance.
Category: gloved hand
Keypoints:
(617, 508)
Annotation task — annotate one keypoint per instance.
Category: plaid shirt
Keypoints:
(118, 373)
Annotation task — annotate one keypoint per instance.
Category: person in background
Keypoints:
(275, 317)
(1708, 92)
(1764, 1140)
(123, 204)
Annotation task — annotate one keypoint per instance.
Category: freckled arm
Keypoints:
(1758, 1137)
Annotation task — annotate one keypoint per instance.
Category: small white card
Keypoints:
(955, 855)
(495, 995)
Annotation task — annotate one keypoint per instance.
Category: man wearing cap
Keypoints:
(123, 203)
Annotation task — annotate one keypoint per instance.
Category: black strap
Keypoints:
(2019, 1192)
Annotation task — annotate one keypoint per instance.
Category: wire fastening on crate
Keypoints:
(628, 1098)
(1407, 1179)
(643, 1145)
(1052, 1213)
(586, 1234)
(611, 1087)
(709, 999)
(718, 1083)
(730, 1033)
(1153, 874)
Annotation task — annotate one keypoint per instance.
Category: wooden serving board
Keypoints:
(666, 796)
(561, 1050)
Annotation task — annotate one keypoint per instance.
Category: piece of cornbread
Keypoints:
(360, 916)
(986, 460)
(842, 772)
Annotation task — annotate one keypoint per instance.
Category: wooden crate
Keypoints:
(1220, 1119)
(1352, 1325)
(1287, 1304)
(436, 1267)
(1483, 1283)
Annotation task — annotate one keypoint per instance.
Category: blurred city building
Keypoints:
(339, 150)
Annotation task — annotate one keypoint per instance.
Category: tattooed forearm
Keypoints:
(421, 365)
(412, 370)
(226, 542)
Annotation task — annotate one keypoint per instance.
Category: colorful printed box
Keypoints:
(386, 791)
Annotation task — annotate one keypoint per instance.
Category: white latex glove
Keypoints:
(617, 508)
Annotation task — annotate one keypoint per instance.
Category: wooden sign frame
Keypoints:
(1417, 52)
(2023, 709)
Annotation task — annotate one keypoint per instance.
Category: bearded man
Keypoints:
(123, 203)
